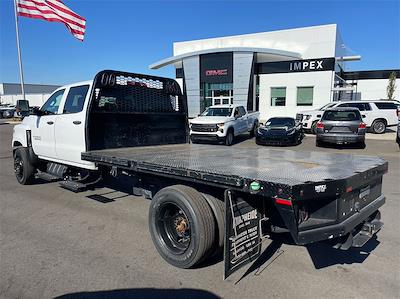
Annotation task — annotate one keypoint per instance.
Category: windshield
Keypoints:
(280, 122)
(342, 115)
(323, 108)
(217, 112)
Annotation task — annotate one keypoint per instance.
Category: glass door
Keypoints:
(216, 94)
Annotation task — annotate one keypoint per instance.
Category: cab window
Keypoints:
(75, 99)
(242, 111)
(53, 103)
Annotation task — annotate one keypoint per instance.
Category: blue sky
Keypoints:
(130, 35)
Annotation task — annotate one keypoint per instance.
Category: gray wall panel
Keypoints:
(191, 69)
(242, 63)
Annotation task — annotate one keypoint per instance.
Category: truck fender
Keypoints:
(22, 138)
(20, 135)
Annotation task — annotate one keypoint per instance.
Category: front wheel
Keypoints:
(229, 138)
(314, 128)
(362, 144)
(253, 131)
(23, 168)
(182, 226)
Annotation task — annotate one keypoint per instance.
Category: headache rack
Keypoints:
(128, 109)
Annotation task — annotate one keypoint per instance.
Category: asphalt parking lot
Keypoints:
(55, 243)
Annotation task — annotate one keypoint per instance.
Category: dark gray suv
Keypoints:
(341, 126)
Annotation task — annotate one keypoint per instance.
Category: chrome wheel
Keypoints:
(379, 127)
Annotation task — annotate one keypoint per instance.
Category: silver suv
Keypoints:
(341, 126)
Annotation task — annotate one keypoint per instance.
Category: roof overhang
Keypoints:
(274, 55)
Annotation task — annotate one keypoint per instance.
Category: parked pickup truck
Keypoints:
(222, 123)
(130, 132)
(377, 115)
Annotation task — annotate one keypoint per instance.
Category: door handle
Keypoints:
(76, 122)
(50, 122)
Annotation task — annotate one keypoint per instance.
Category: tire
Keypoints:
(254, 129)
(378, 126)
(192, 140)
(318, 143)
(229, 138)
(362, 145)
(23, 168)
(218, 208)
(314, 127)
(182, 226)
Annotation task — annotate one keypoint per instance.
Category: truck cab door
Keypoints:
(43, 134)
(242, 120)
(70, 127)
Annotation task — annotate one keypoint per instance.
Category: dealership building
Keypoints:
(277, 73)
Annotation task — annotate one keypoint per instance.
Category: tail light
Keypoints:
(285, 202)
(398, 112)
(362, 126)
(320, 125)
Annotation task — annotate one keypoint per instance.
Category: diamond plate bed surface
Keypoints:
(270, 165)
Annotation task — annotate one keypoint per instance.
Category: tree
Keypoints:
(391, 88)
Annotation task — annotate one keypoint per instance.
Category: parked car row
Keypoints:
(20, 110)
(337, 124)
(377, 115)
(7, 111)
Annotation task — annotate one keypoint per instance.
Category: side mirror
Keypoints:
(363, 116)
(22, 105)
(37, 111)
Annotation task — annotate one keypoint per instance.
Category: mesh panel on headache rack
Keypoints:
(138, 94)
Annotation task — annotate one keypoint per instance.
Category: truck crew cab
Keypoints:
(132, 130)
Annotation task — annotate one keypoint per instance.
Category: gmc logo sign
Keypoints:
(217, 72)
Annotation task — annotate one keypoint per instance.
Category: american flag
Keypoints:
(53, 11)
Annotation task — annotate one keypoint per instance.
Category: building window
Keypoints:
(278, 96)
(305, 96)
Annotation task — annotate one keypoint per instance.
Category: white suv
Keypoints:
(377, 115)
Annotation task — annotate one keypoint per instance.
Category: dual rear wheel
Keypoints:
(184, 228)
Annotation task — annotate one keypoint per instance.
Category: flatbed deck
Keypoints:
(236, 166)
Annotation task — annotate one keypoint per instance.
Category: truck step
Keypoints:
(56, 169)
(74, 186)
(47, 177)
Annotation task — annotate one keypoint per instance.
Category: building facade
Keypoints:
(36, 94)
(277, 73)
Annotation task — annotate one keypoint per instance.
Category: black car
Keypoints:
(280, 131)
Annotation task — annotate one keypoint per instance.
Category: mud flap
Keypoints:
(242, 233)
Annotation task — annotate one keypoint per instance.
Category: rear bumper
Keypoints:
(340, 138)
(342, 228)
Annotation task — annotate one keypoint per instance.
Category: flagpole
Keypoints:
(21, 73)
